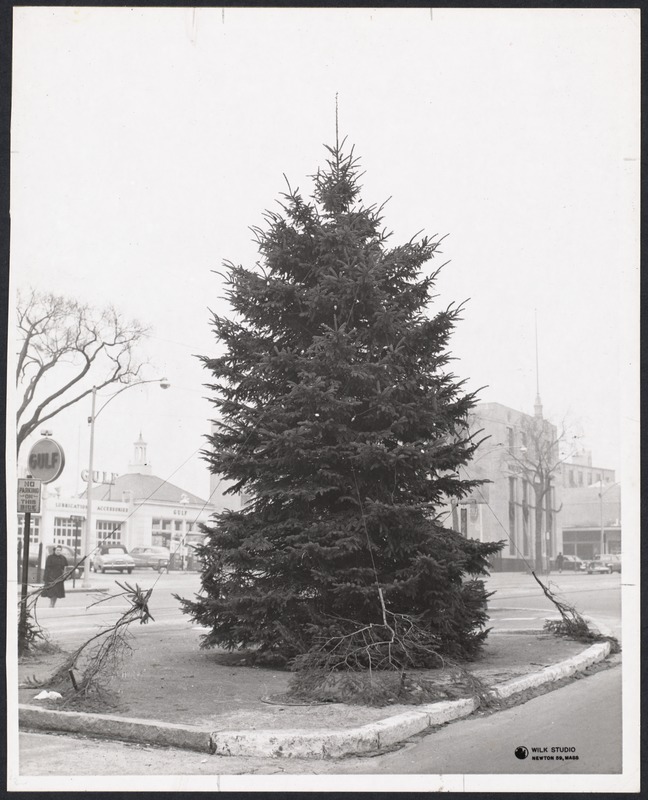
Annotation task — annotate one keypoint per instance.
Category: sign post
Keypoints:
(29, 494)
(77, 527)
(46, 461)
(22, 623)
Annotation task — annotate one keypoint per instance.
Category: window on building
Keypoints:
(572, 480)
(580, 478)
(34, 529)
(464, 521)
(65, 531)
(161, 531)
(108, 531)
(510, 436)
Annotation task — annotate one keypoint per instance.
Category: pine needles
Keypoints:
(376, 664)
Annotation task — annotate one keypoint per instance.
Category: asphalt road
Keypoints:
(518, 601)
(79, 615)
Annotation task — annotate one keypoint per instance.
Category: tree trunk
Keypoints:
(538, 529)
(549, 522)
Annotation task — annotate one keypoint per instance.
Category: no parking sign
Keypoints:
(29, 495)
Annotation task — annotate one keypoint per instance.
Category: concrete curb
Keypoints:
(69, 589)
(564, 669)
(299, 743)
(376, 735)
(112, 727)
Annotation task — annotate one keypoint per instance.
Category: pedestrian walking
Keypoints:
(559, 561)
(55, 568)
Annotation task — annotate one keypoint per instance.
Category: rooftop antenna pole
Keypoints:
(538, 403)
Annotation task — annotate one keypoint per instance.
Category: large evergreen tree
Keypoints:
(339, 418)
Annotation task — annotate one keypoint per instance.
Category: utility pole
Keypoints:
(603, 542)
(540, 478)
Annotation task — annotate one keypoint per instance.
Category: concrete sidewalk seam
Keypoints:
(299, 743)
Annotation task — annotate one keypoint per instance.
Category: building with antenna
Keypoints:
(503, 508)
(136, 509)
(160, 513)
(512, 504)
(519, 504)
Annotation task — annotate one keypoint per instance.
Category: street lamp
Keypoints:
(164, 384)
(184, 502)
(601, 493)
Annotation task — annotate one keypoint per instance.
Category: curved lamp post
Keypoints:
(164, 384)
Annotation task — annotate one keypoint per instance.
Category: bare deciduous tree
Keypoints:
(66, 348)
(538, 461)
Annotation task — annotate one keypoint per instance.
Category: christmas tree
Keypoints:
(339, 419)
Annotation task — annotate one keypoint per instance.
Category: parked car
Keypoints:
(571, 563)
(154, 557)
(604, 564)
(68, 552)
(615, 563)
(114, 557)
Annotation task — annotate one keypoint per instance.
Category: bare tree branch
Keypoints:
(66, 348)
(538, 462)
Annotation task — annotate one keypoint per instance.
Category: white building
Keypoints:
(137, 509)
(503, 509)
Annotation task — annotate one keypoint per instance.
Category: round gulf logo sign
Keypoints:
(46, 460)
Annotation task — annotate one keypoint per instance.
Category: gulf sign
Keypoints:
(46, 460)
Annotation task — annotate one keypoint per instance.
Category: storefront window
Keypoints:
(64, 531)
(108, 531)
(34, 529)
(161, 531)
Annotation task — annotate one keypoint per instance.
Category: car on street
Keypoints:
(68, 552)
(113, 557)
(604, 564)
(570, 564)
(616, 562)
(152, 557)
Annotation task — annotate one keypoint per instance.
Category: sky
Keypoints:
(147, 142)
